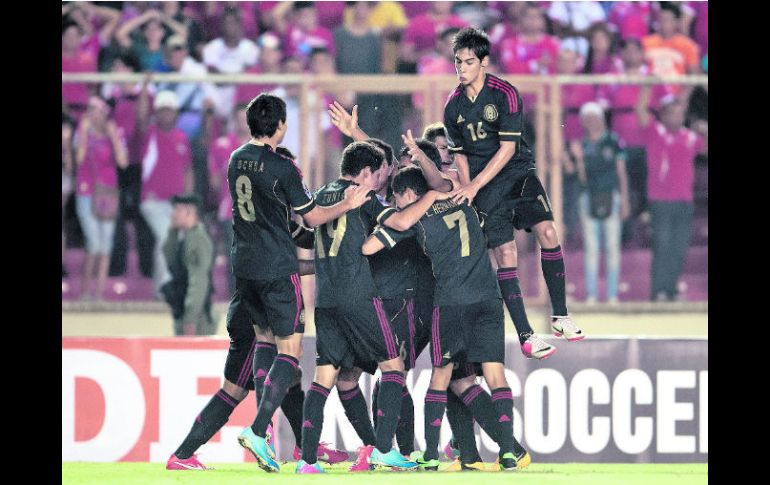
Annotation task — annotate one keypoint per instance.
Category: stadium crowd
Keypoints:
(128, 148)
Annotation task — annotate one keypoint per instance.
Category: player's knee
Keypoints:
(506, 254)
(494, 374)
(459, 386)
(440, 377)
(234, 391)
(547, 236)
(392, 365)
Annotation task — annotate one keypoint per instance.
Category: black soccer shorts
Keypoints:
(468, 333)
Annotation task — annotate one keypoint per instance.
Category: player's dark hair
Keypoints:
(431, 151)
(433, 131)
(285, 152)
(671, 7)
(410, 178)
(385, 147)
(264, 113)
(359, 155)
(473, 39)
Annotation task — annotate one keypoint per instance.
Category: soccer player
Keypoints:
(467, 323)
(264, 187)
(483, 120)
(425, 154)
(352, 327)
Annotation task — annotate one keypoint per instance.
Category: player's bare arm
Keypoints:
(346, 122)
(436, 180)
(496, 163)
(372, 245)
(355, 196)
(406, 218)
(463, 169)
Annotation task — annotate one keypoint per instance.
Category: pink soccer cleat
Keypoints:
(362, 462)
(191, 463)
(325, 453)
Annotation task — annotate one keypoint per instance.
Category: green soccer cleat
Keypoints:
(426, 465)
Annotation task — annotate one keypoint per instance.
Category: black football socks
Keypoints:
(508, 279)
(207, 423)
(355, 409)
(313, 421)
(552, 262)
(388, 409)
(281, 375)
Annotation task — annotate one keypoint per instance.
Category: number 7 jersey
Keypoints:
(452, 237)
(264, 188)
(476, 128)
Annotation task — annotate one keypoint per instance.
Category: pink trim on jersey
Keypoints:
(453, 94)
(500, 85)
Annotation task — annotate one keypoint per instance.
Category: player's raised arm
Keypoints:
(346, 122)
(463, 169)
(436, 180)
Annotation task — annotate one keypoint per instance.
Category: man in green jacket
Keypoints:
(189, 253)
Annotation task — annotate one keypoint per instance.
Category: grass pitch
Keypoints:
(246, 473)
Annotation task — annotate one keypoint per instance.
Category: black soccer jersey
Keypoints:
(342, 272)
(264, 188)
(394, 270)
(451, 236)
(476, 128)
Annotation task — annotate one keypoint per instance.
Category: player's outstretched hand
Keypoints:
(344, 121)
(467, 192)
(411, 145)
(357, 195)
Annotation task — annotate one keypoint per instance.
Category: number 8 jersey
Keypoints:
(476, 128)
(264, 188)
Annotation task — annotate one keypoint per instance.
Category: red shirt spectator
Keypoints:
(79, 54)
(330, 14)
(304, 34)
(423, 29)
(670, 165)
(165, 162)
(269, 63)
(219, 158)
(630, 19)
(532, 51)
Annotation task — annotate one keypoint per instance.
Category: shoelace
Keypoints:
(538, 343)
(567, 325)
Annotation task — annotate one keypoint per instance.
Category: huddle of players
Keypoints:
(372, 306)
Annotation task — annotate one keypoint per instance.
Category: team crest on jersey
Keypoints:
(490, 112)
(460, 119)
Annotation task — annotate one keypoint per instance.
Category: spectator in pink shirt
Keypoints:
(166, 169)
(573, 96)
(437, 61)
(81, 46)
(532, 50)
(508, 27)
(631, 20)
(671, 150)
(99, 151)
(601, 54)
(621, 101)
(219, 158)
(269, 62)
(125, 97)
(304, 34)
(420, 35)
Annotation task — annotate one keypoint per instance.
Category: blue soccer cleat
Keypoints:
(261, 450)
(392, 459)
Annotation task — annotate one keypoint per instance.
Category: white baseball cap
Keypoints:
(591, 108)
(166, 99)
